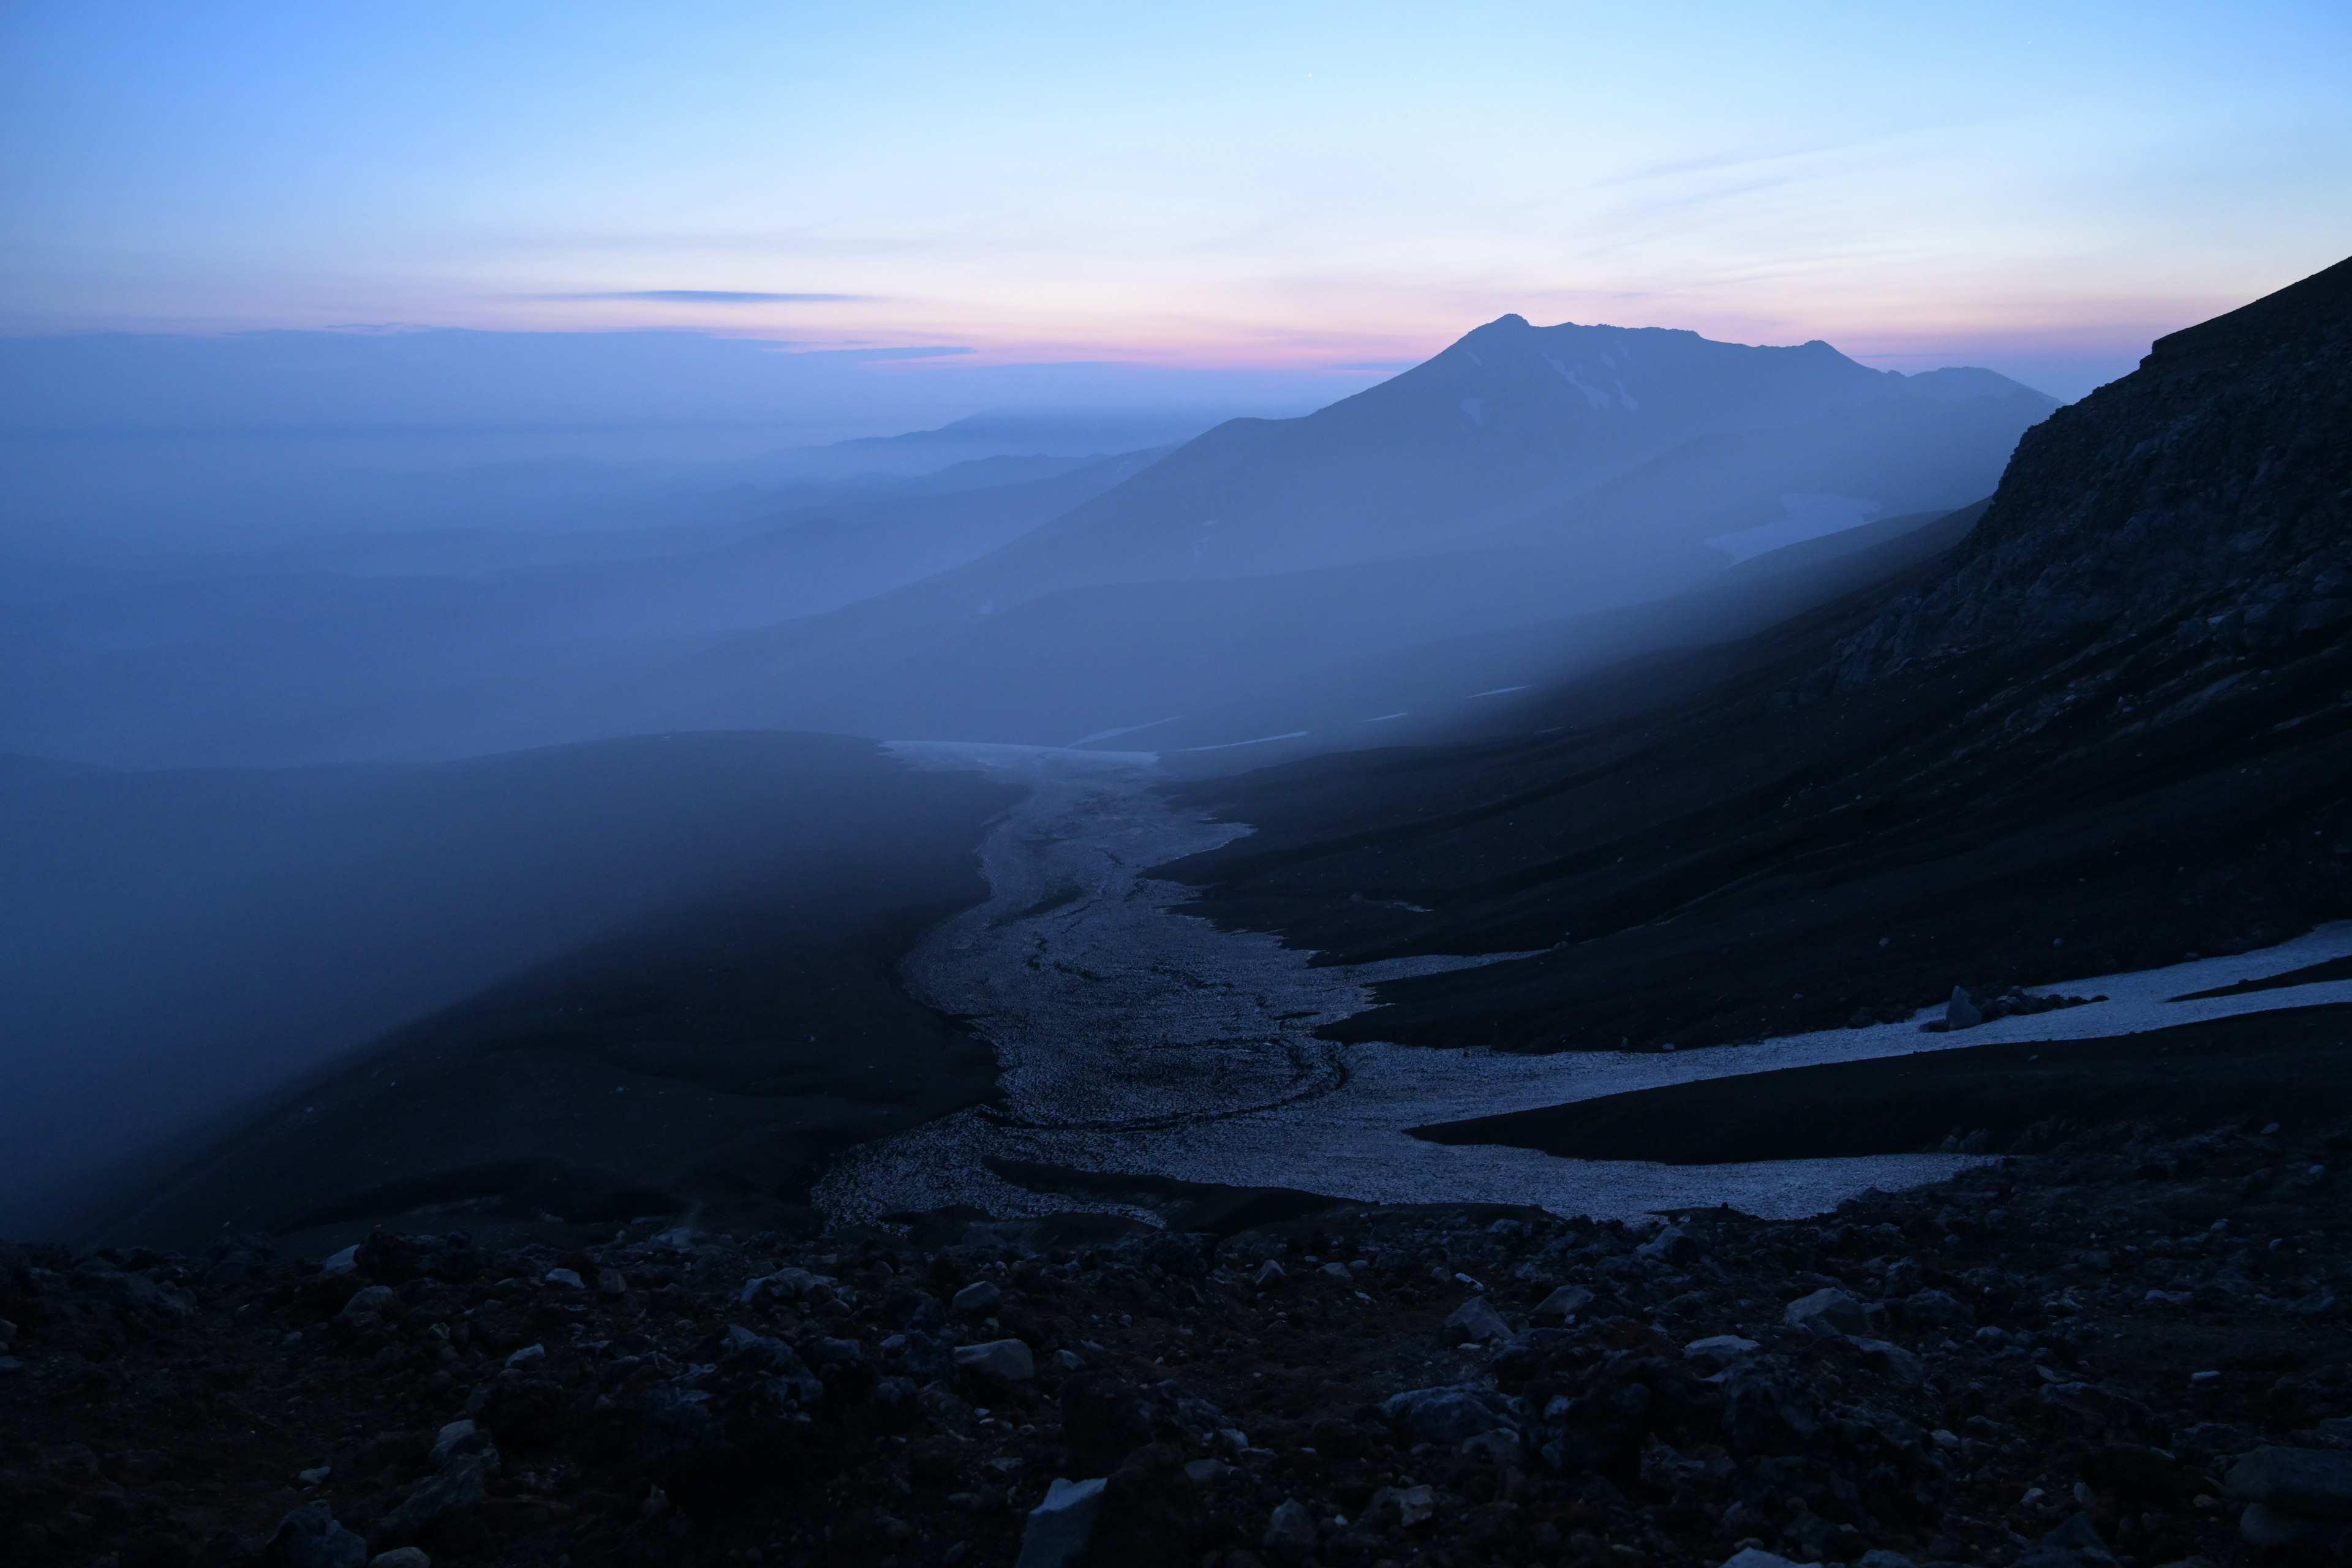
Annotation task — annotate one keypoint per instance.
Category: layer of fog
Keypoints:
(174, 943)
(1454, 530)
(123, 446)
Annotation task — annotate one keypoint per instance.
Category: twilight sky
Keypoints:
(2037, 187)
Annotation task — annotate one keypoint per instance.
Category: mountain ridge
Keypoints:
(1825, 823)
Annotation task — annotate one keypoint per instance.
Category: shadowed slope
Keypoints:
(181, 947)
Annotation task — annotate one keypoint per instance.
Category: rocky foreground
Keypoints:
(2120, 1350)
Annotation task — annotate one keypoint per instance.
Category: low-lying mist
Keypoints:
(177, 944)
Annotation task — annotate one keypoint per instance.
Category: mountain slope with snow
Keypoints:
(2106, 729)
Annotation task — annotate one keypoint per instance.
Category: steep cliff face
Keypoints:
(2111, 726)
(2207, 495)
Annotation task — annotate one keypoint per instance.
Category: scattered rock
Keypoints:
(1671, 1244)
(462, 1439)
(1900, 1367)
(2308, 1483)
(1477, 1319)
(1657, 1416)
(978, 1299)
(1291, 1533)
(456, 1488)
(1826, 1311)
(1564, 1303)
(2275, 1530)
(371, 1300)
(1448, 1414)
(1060, 1529)
(1004, 1361)
(309, 1537)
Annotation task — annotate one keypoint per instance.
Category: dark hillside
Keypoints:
(2106, 729)
(271, 996)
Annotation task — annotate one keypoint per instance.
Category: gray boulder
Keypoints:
(463, 1440)
(2275, 1530)
(977, 1300)
(309, 1537)
(1826, 1309)
(1900, 1365)
(2310, 1483)
(1564, 1303)
(369, 1301)
(1478, 1319)
(1291, 1532)
(1061, 1528)
(456, 1488)
(1665, 1247)
(1962, 1012)
(1718, 1349)
(1006, 1360)
(1450, 1415)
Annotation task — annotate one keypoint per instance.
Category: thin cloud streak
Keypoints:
(710, 297)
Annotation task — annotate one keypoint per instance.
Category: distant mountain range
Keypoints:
(1523, 477)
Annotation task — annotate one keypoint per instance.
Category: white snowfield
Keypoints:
(1135, 1038)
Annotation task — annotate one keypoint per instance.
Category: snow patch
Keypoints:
(1126, 729)
(1601, 398)
(1260, 740)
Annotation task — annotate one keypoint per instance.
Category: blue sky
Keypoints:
(2039, 188)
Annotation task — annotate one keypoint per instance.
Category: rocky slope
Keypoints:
(2204, 501)
(2126, 1349)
